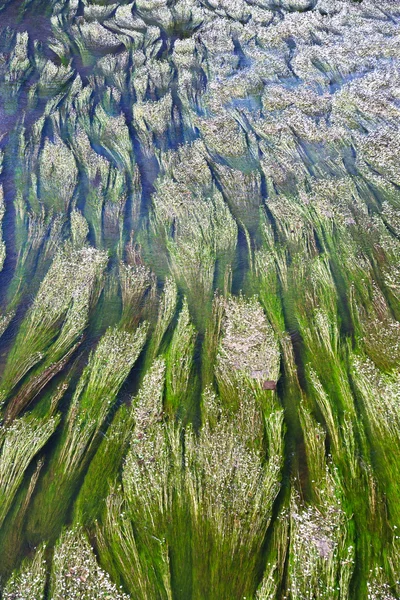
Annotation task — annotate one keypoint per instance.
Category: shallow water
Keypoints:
(255, 166)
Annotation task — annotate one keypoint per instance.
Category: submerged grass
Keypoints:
(322, 545)
(166, 311)
(20, 442)
(100, 478)
(93, 400)
(2, 211)
(232, 488)
(180, 366)
(248, 350)
(134, 525)
(198, 231)
(199, 206)
(54, 324)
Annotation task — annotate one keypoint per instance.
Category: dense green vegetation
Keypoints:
(199, 299)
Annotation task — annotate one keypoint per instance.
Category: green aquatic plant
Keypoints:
(147, 466)
(180, 369)
(107, 369)
(4, 322)
(58, 175)
(147, 473)
(113, 134)
(188, 165)
(379, 395)
(119, 550)
(231, 488)
(151, 119)
(321, 557)
(103, 471)
(79, 229)
(54, 323)
(54, 78)
(136, 281)
(93, 400)
(161, 489)
(20, 442)
(322, 549)
(243, 193)
(377, 331)
(90, 37)
(106, 185)
(198, 230)
(145, 485)
(199, 268)
(274, 570)
(2, 243)
(147, 405)
(166, 311)
(19, 67)
(267, 273)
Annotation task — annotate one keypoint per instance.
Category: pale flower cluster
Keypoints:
(28, 583)
(248, 345)
(76, 574)
(2, 211)
(72, 272)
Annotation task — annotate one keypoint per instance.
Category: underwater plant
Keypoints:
(199, 299)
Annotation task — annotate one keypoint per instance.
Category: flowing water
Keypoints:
(199, 299)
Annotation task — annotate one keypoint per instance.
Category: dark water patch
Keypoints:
(182, 31)
(194, 414)
(344, 310)
(33, 19)
(294, 467)
(349, 158)
(244, 61)
(132, 383)
(7, 123)
(241, 263)
(8, 225)
(318, 242)
(147, 164)
(81, 192)
(298, 348)
(81, 9)
(149, 169)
